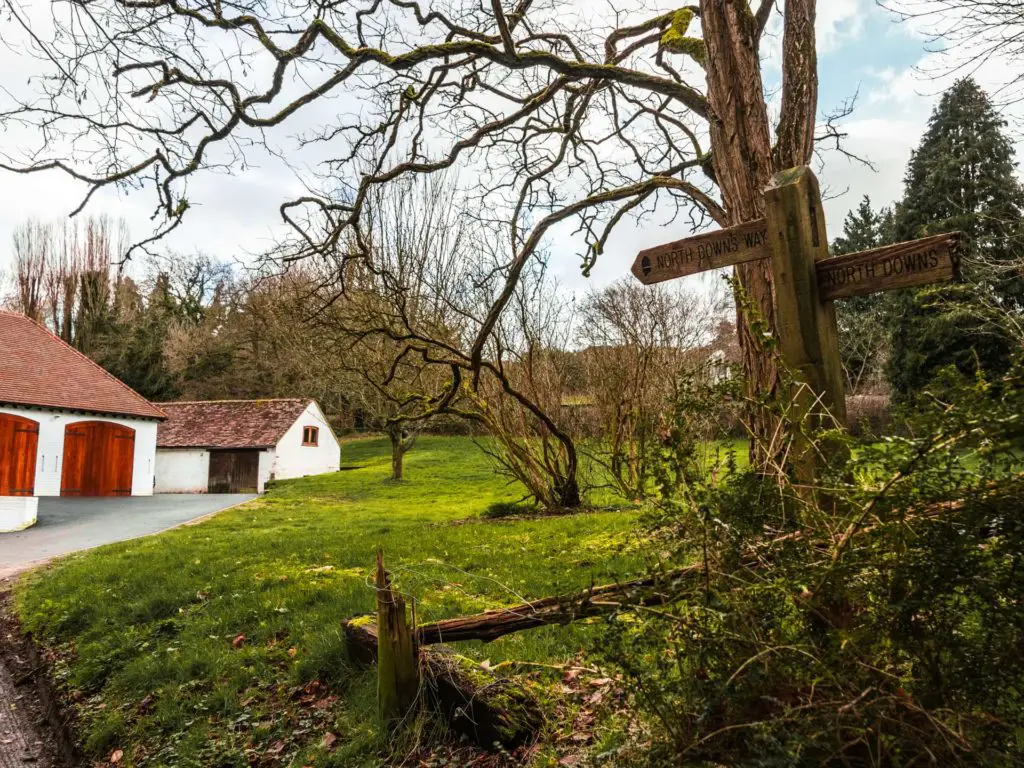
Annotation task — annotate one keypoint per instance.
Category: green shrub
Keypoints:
(500, 509)
(874, 621)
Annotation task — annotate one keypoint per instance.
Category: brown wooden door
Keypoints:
(234, 471)
(99, 459)
(19, 438)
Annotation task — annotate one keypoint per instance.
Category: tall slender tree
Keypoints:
(962, 177)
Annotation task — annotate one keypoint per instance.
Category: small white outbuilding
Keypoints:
(237, 446)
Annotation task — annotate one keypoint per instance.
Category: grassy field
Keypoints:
(149, 634)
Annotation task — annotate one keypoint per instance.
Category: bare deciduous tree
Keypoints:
(32, 242)
(522, 402)
(561, 113)
(639, 339)
(64, 273)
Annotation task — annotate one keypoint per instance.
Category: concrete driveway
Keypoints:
(69, 525)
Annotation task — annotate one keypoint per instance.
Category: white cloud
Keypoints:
(840, 22)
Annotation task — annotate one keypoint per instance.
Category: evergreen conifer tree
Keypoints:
(961, 177)
(863, 338)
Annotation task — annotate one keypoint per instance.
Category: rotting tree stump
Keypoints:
(476, 704)
(397, 672)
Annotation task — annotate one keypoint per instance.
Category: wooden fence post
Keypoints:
(808, 338)
(398, 681)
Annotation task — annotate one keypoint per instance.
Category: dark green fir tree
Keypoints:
(863, 334)
(962, 177)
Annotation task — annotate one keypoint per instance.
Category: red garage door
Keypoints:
(99, 457)
(18, 440)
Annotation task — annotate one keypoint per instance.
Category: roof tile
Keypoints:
(38, 368)
(228, 423)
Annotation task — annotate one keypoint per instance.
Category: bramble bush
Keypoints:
(873, 620)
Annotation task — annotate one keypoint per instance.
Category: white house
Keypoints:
(236, 446)
(67, 427)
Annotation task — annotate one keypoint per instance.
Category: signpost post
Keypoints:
(807, 280)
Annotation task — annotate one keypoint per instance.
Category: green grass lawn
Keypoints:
(145, 633)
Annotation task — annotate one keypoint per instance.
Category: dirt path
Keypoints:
(26, 738)
(22, 743)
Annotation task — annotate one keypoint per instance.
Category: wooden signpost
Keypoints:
(724, 248)
(904, 265)
(807, 280)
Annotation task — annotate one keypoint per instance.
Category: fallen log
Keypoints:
(560, 609)
(478, 705)
(489, 710)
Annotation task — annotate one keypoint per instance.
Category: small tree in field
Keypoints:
(416, 308)
(637, 341)
(381, 380)
(522, 404)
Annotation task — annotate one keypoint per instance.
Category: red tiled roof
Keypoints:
(37, 368)
(228, 423)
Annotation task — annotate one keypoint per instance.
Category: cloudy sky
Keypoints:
(862, 51)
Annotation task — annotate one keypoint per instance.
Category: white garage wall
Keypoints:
(182, 470)
(187, 470)
(50, 451)
(266, 470)
(17, 512)
(297, 460)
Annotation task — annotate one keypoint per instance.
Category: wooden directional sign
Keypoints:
(904, 265)
(919, 262)
(792, 235)
(723, 248)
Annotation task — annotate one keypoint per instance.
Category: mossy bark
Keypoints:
(401, 443)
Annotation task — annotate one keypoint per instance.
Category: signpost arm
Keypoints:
(808, 338)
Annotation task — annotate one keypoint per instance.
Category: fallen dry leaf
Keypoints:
(329, 739)
(115, 756)
(293, 652)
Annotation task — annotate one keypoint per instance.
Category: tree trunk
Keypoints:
(397, 456)
(568, 490)
(744, 160)
(476, 704)
(399, 446)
